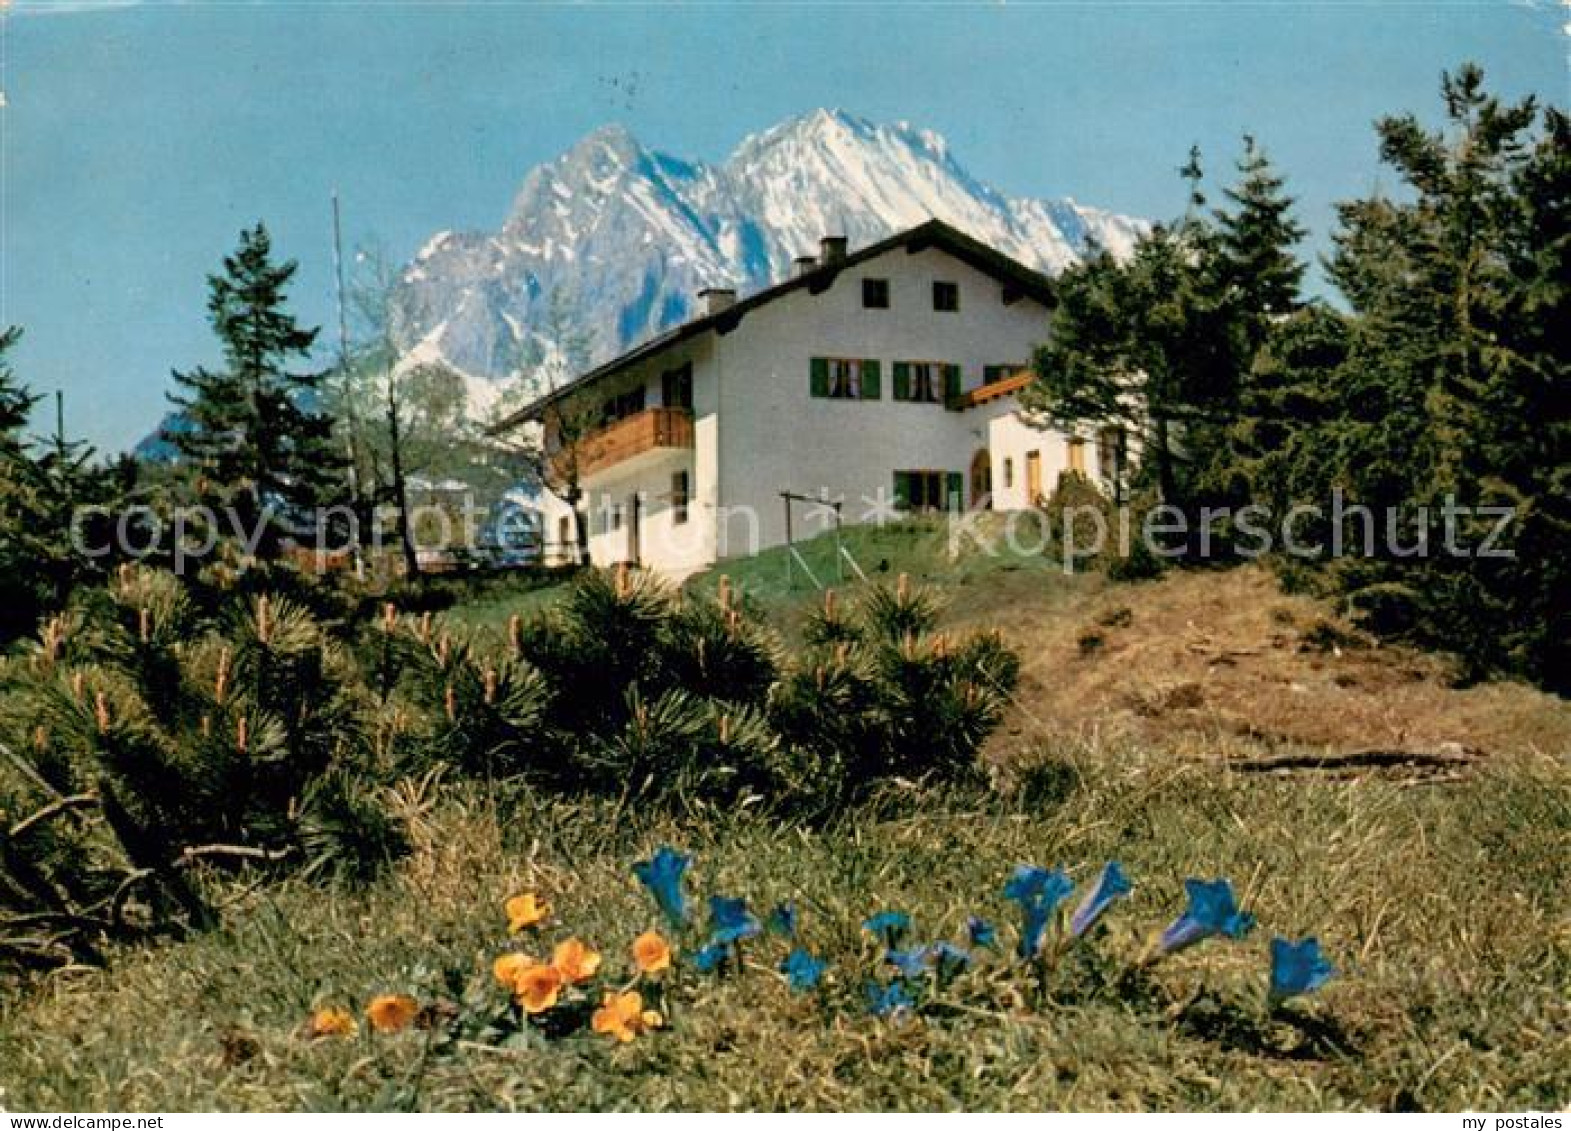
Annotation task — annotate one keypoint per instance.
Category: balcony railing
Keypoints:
(984, 393)
(645, 431)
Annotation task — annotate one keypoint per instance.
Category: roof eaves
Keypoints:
(930, 233)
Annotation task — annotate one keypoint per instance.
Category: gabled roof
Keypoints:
(1016, 277)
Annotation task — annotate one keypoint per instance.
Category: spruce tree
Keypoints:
(1449, 385)
(1148, 345)
(256, 443)
(1255, 238)
(20, 590)
(1257, 277)
(43, 490)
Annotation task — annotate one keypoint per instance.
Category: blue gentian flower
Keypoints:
(662, 875)
(950, 960)
(802, 970)
(1298, 968)
(888, 1000)
(782, 920)
(730, 920)
(1212, 911)
(1038, 892)
(1111, 885)
(911, 963)
(709, 958)
(981, 932)
(888, 926)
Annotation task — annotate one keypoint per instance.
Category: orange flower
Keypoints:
(391, 1013)
(651, 953)
(536, 987)
(623, 1016)
(524, 911)
(575, 961)
(509, 966)
(330, 1022)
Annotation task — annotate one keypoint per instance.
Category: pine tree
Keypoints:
(257, 442)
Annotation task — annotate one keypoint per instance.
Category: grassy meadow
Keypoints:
(1196, 726)
(1443, 908)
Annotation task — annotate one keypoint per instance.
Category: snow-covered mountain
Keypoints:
(624, 236)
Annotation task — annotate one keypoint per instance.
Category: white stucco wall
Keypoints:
(675, 548)
(776, 436)
(759, 431)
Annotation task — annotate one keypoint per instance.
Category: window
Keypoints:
(875, 294)
(676, 387)
(1111, 444)
(624, 405)
(679, 497)
(564, 532)
(1009, 473)
(926, 382)
(929, 490)
(946, 296)
(1077, 455)
(916, 381)
(992, 374)
(844, 379)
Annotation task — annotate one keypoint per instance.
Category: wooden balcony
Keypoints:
(646, 431)
(980, 395)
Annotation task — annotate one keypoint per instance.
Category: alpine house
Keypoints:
(880, 379)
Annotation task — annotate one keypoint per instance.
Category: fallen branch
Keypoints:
(55, 919)
(1443, 759)
(27, 770)
(53, 809)
(239, 851)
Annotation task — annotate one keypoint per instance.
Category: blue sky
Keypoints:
(138, 138)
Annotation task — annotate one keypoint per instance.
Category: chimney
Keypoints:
(712, 300)
(831, 249)
(801, 265)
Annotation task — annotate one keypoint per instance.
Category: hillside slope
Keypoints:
(1222, 663)
(1441, 908)
(1229, 656)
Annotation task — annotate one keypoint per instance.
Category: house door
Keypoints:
(981, 479)
(1033, 478)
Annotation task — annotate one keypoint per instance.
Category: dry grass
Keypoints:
(1228, 655)
(1224, 655)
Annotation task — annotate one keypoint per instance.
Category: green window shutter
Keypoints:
(902, 381)
(869, 380)
(951, 382)
(903, 490)
(957, 491)
(820, 377)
